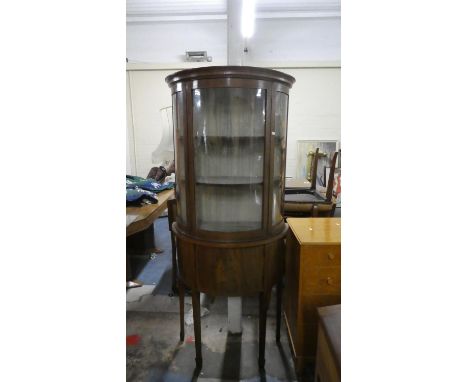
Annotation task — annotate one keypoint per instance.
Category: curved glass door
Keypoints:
(179, 138)
(229, 143)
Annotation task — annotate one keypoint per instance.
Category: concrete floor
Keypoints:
(154, 352)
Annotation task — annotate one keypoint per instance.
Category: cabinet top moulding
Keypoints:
(243, 72)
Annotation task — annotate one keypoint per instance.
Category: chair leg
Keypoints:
(181, 309)
(279, 300)
(264, 300)
(197, 328)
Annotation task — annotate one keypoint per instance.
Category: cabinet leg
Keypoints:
(279, 300)
(263, 302)
(181, 309)
(197, 328)
(174, 264)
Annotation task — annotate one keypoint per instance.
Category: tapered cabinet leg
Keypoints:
(174, 264)
(181, 309)
(197, 328)
(263, 302)
(279, 300)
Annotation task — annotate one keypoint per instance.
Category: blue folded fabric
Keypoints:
(147, 184)
(143, 191)
(137, 196)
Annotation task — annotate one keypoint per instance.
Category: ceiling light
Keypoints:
(248, 18)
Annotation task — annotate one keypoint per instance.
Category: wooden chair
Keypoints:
(302, 202)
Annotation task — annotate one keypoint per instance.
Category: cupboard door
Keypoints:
(279, 155)
(229, 146)
(179, 153)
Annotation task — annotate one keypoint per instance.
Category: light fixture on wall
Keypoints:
(248, 18)
(197, 56)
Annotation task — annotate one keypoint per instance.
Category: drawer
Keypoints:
(321, 280)
(321, 255)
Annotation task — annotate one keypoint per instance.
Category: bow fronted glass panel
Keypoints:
(229, 146)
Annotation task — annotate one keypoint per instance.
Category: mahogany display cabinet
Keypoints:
(230, 128)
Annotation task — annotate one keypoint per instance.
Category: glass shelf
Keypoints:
(218, 138)
(227, 210)
(229, 180)
(230, 227)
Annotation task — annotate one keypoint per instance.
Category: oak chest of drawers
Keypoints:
(312, 280)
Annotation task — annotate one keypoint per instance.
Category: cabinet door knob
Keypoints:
(331, 256)
(329, 281)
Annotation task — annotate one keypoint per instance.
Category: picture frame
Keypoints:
(304, 147)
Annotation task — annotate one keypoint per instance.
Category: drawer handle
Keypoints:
(331, 256)
(329, 281)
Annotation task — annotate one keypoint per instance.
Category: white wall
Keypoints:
(314, 110)
(131, 169)
(295, 40)
(274, 40)
(149, 94)
(167, 42)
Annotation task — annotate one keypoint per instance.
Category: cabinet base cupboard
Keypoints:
(230, 127)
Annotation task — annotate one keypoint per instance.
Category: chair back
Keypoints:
(313, 169)
(331, 178)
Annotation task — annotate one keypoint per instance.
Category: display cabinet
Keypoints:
(230, 129)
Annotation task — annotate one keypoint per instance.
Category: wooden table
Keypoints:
(328, 367)
(312, 279)
(140, 218)
(140, 230)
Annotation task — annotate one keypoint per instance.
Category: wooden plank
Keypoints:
(140, 218)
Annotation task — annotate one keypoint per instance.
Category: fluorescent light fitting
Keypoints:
(197, 56)
(248, 18)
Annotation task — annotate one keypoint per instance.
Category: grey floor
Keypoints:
(153, 323)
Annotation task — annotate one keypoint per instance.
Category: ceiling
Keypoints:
(178, 10)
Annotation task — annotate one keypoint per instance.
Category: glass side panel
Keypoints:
(279, 155)
(179, 154)
(229, 143)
